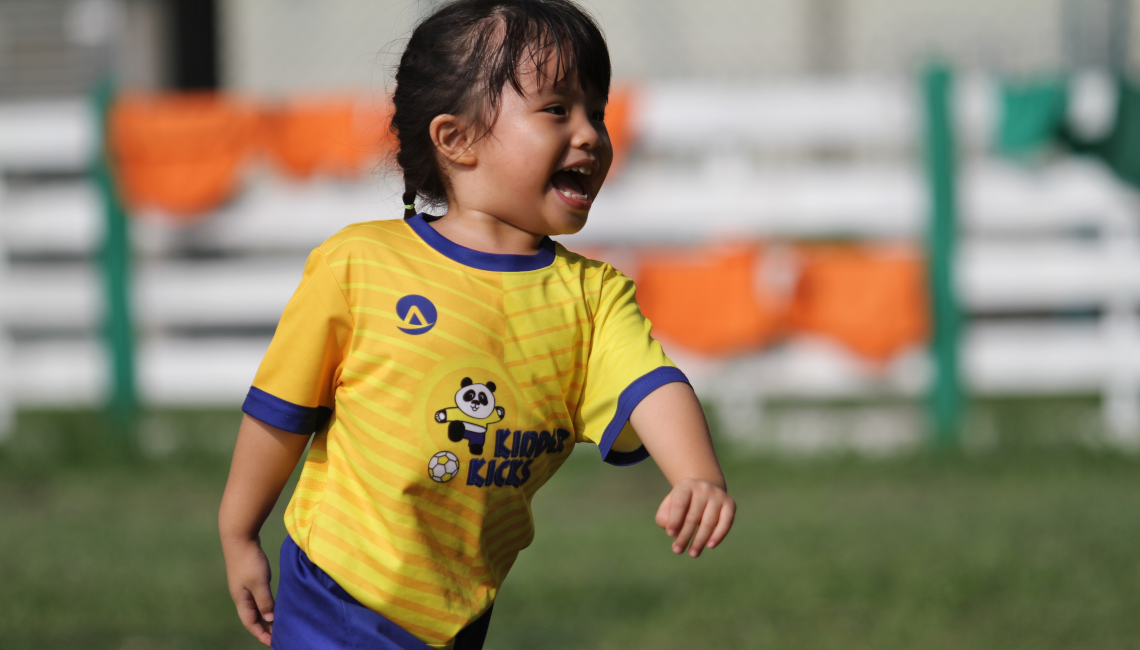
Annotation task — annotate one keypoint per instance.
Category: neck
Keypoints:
(486, 233)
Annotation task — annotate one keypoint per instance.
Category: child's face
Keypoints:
(542, 164)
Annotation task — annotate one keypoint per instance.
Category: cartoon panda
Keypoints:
(473, 412)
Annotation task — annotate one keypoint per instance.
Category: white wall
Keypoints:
(1010, 35)
(279, 45)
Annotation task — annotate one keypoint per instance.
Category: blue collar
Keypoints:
(478, 259)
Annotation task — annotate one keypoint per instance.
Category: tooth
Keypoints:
(572, 195)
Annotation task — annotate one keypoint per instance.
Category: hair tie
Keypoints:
(409, 199)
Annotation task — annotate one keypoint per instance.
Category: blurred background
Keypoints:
(895, 245)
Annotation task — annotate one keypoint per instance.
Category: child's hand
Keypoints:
(696, 506)
(263, 459)
(248, 573)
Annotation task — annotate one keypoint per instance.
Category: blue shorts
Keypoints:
(313, 612)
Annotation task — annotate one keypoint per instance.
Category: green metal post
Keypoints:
(946, 403)
(116, 261)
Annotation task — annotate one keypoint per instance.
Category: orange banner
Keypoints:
(870, 298)
(713, 300)
(335, 136)
(182, 153)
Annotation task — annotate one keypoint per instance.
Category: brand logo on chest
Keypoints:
(417, 314)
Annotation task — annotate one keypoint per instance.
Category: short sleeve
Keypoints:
(295, 384)
(625, 365)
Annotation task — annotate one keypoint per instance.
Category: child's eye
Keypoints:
(598, 116)
(556, 110)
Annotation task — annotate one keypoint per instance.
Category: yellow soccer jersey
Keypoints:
(400, 345)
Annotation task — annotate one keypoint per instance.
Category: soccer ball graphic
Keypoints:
(443, 467)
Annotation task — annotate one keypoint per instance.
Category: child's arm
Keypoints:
(672, 427)
(264, 457)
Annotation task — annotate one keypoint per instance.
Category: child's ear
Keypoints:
(452, 139)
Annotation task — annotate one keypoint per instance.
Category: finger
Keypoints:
(264, 599)
(662, 517)
(266, 634)
(692, 520)
(678, 508)
(251, 618)
(727, 515)
(708, 524)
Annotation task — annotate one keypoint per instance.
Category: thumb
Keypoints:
(662, 517)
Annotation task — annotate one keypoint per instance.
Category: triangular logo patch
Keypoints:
(415, 318)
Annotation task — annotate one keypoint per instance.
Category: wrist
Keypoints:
(237, 551)
(715, 481)
(235, 537)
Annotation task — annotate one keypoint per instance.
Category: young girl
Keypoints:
(445, 367)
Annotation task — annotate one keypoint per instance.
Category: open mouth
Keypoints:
(573, 183)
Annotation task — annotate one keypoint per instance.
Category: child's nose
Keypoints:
(587, 135)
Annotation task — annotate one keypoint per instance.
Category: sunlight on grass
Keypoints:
(1026, 549)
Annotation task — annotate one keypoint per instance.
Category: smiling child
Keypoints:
(445, 367)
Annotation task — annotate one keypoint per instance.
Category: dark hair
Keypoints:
(458, 61)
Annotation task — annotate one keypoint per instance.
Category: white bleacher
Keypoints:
(7, 403)
(53, 136)
(1056, 237)
(695, 179)
(51, 294)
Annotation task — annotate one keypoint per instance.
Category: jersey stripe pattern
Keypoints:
(445, 386)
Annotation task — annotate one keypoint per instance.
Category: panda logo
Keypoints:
(473, 412)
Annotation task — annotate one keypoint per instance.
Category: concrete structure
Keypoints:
(54, 47)
(285, 45)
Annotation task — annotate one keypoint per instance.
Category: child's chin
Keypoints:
(571, 224)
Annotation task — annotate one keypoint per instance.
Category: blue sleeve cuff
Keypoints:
(276, 412)
(627, 401)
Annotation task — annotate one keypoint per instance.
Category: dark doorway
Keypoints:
(194, 27)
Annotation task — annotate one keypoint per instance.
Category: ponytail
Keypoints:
(409, 201)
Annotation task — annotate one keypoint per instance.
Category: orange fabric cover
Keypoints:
(336, 136)
(181, 153)
(619, 123)
(710, 300)
(872, 299)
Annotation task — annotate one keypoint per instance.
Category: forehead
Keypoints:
(552, 71)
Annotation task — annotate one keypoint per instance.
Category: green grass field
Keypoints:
(1033, 548)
